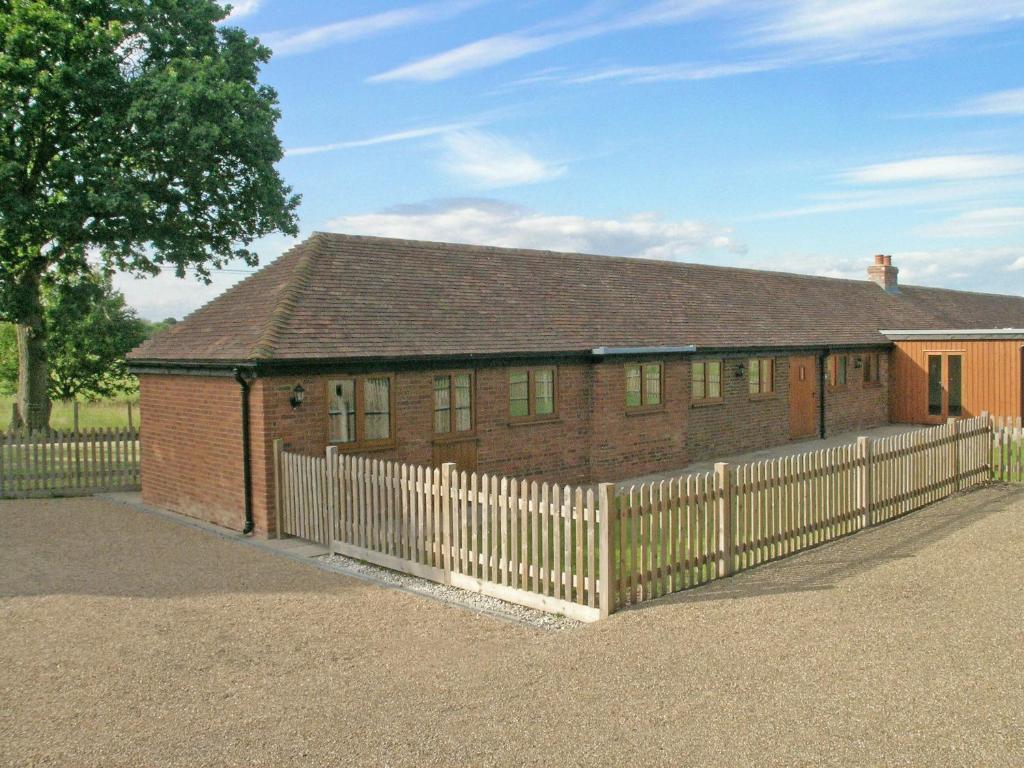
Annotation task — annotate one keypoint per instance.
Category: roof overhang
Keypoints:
(956, 334)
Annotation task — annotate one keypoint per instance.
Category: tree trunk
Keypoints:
(32, 403)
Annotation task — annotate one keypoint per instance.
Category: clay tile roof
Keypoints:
(344, 297)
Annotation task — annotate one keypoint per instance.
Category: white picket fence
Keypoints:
(550, 546)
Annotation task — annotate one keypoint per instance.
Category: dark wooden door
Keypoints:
(803, 397)
(462, 452)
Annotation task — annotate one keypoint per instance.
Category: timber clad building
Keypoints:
(543, 365)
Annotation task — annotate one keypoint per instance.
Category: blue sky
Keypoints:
(778, 134)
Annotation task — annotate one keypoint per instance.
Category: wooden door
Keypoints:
(803, 397)
(462, 452)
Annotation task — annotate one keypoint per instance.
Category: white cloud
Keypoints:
(983, 223)
(386, 138)
(972, 268)
(491, 222)
(788, 33)
(242, 8)
(858, 26)
(677, 72)
(285, 43)
(499, 49)
(901, 197)
(938, 168)
(1009, 102)
(476, 55)
(489, 160)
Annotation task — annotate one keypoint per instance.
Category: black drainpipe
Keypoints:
(243, 382)
(822, 381)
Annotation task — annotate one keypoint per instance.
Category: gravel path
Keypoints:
(128, 640)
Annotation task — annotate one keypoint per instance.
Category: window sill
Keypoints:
(707, 403)
(461, 437)
(535, 422)
(872, 385)
(764, 396)
(645, 411)
(364, 447)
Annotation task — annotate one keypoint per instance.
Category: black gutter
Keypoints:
(243, 383)
(822, 381)
(314, 365)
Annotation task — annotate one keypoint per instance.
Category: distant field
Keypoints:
(103, 413)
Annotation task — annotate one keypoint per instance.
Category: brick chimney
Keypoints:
(883, 273)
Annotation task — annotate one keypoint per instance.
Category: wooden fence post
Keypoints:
(332, 495)
(608, 509)
(990, 438)
(278, 490)
(954, 451)
(447, 470)
(723, 485)
(867, 502)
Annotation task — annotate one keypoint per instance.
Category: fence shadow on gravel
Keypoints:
(824, 567)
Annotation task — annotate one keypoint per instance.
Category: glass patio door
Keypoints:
(945, 386)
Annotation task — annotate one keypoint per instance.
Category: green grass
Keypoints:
(98, 414)
(1014, 472)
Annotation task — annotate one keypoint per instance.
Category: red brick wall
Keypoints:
(555, 449)
(857, 406)
(741, 422)
(631, 443)
(191, 446)
(192, 433)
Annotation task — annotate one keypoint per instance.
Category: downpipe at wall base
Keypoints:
(244, 381)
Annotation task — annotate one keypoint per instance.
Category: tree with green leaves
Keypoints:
(90, 330)
(134, 132)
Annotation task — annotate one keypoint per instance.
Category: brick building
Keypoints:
(535, 364)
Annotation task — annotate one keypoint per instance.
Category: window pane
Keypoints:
(463, 402)
(954, 368)
(633, 394)
(377, 409)
(519, 393)
(767, 375)
(697, 381)
(714, 379)
(754, 375)
(342, 411)
(544, 388)
(841, 369)
(652, 381)
(442, 405)
(935, 385)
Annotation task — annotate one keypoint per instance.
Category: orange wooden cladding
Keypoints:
(991, 377)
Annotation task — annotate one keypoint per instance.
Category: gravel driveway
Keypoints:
(127, 639)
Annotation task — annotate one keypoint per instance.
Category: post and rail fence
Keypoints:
(66, 463)
(586, 552)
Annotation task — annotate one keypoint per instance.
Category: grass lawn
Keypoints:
(99, 414)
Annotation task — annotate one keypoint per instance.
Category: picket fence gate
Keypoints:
(586, 552)
(58, 463)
